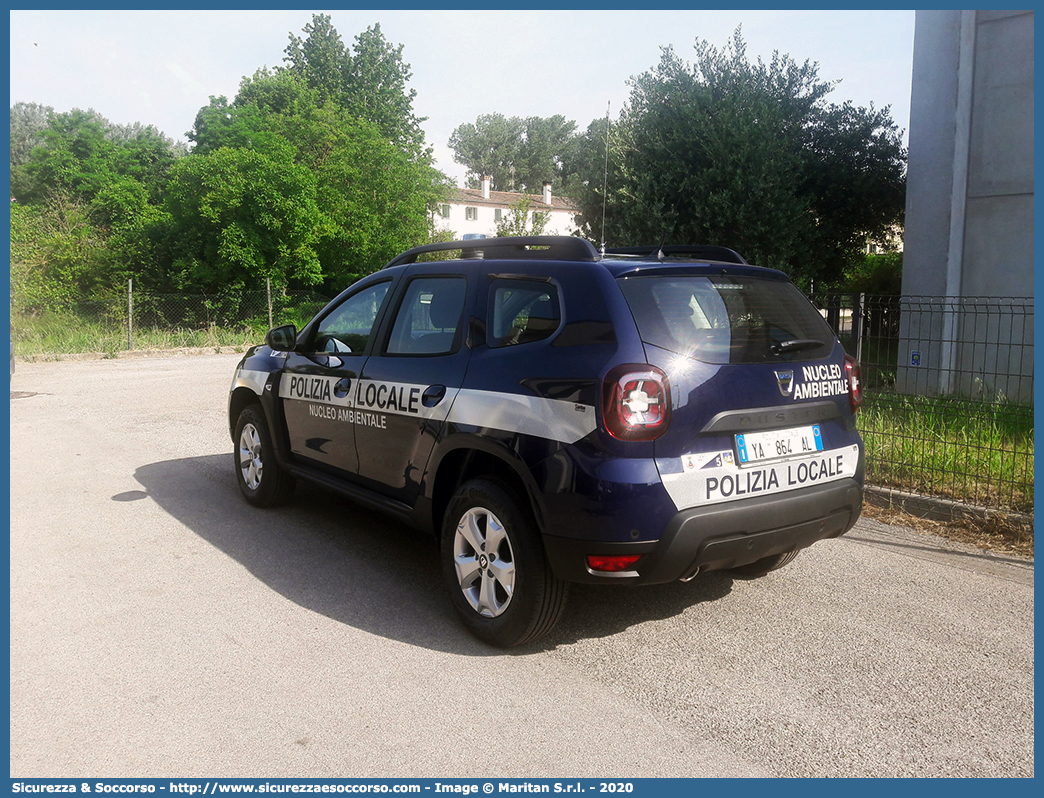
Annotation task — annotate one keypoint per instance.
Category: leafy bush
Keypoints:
(875, 274)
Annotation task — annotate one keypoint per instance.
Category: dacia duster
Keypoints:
(556, 414)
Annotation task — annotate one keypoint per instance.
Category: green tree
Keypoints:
(369, 81)
(97, 187)
(75, 159)
(880, 274)
(490, 147)
(28, 122)
(519, 221)
(601, 187)
(855, 180)
(548, 153)
(144, 154)
(240, 216)
(81, 152)
(746, 155)
(315, 173)
(320, 59)
(370, 195)
(518, 154)
(376, 89)
(58, 255)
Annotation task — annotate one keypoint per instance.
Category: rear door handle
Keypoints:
(432, 395)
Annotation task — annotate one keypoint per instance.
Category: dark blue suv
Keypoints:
(554, 414)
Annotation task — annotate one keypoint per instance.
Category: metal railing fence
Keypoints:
(948, 385)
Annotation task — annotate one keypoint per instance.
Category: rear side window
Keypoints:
(522, 311)
(727, 318)
(429, 318)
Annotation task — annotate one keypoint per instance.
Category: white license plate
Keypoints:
(757, 447)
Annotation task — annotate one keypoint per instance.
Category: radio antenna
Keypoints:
(605, 175)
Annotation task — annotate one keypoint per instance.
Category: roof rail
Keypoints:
(708, 251)
(521, 247)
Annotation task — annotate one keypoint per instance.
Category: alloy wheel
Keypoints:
(484, 562)
(250, 465)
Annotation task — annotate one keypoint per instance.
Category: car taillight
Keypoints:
(636, 403)
(855, 386)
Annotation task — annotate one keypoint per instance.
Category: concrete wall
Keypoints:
(998, 229)
(969, 205)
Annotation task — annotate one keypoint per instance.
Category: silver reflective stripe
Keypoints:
(248, 378)
(554, 419)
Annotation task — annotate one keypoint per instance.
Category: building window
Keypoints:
(497, 214)
(471, 214)
(444, 211)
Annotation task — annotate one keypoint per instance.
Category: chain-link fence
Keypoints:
(146, 320)
(949, 391)
(250, 312)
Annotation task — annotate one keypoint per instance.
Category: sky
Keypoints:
(161, 67)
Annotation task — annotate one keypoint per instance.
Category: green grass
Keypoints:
(972, 452)
(48, 336)
(103, 328)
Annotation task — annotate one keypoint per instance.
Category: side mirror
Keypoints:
(282, 339)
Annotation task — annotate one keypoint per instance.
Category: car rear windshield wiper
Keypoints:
(794, 345)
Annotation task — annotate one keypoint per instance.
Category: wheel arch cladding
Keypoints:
(464, 464)
(241, 398)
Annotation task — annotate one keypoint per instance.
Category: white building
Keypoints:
(476, 211)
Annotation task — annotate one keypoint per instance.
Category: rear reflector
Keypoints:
(597, 562)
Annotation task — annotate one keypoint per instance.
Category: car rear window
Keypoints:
(727, 318)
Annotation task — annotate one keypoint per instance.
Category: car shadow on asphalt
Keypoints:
(360, 568)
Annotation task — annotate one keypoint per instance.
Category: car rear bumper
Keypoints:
(720, 536)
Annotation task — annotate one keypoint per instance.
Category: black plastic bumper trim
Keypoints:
(720, 536)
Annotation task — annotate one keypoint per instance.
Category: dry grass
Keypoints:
(995, 532)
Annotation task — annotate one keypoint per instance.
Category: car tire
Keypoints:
(498, 577)
(759, 568)
(263, 482)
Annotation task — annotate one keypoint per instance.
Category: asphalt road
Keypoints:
(162, 627)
